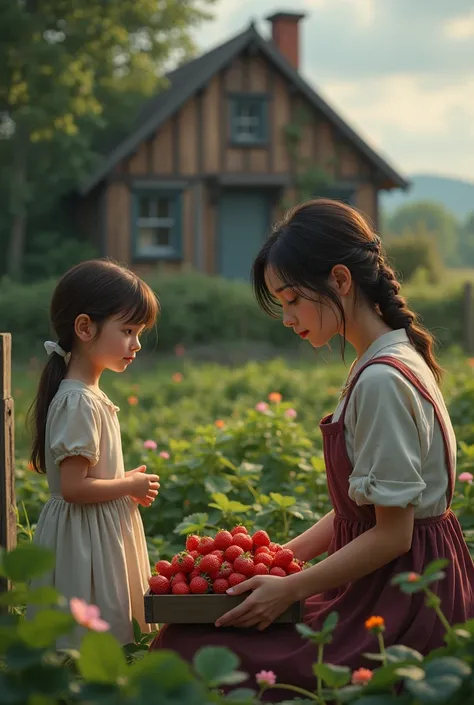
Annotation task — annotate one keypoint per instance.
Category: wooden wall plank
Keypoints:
(188, 151)
(282, 116)
(118, 221)
(139, 162)
(234, 76)
(162, 150)
(211, 126)
(257, 75)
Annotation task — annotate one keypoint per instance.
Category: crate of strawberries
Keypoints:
(191, 589)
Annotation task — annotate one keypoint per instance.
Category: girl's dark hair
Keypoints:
(99, 288)
(313, 238)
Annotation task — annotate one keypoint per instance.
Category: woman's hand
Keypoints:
(143, 490)
(271, 596)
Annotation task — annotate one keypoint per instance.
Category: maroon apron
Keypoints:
(408, 621)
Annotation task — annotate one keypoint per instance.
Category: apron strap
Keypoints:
(413, 379)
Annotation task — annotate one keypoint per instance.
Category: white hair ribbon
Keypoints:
(52, 347)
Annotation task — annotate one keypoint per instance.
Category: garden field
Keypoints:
(231, 445)
(226, 448)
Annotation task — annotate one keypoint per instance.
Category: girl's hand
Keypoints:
(143, 488)
(271, 596)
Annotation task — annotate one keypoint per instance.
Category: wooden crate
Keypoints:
(203, 609)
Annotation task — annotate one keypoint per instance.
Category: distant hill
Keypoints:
(456, 195)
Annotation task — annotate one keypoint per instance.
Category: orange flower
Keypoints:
(362, 676)
(177, 377)
(377, 623)
(275, 397)
(219, 423)
(413, 578)
(133, 401)
(470, 361)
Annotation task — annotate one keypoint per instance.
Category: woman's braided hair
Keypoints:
(317, 235)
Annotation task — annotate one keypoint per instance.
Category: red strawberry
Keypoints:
(243, 540)
(192, 542)
(159, 584)
(194, 573)
(232, 553)
(274, 547)
(164, 568)
(261, 538)
(210, 564)
(225, 570)
(264, 558)
(220, 585)
(262, 549)
(280, 572)
(223, 539)
(183, 561)
(239, 530)
(294, 568)
(261, 569)
(244, 564)
(179, 578)
(236, 578)
(180, 589)
(199, 585)
(206, 545)
(218, 553)
(283, 558)
(195, 554)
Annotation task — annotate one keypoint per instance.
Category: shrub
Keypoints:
(199, 310)
(33, 671)
(413, 252)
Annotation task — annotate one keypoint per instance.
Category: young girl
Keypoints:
(91, 521)
(390, 455)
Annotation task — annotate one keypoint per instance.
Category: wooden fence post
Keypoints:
(469, 318)
(7, 455)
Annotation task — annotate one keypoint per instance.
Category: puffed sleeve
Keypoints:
(75, 427)
(390, 431)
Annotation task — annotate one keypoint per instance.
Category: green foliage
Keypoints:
(431, 218)
(414, 252)
(32, 671)
(201, 311)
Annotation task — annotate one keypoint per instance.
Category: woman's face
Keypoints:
(316, 321)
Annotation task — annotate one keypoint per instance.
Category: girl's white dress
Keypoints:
(101, 553)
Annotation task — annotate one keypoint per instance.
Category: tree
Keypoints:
(434, 219)
(467, 241)
(61, 61)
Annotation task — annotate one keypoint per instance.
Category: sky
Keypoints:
(400, 72)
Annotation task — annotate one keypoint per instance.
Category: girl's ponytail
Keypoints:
(51, 377)
(99, 289)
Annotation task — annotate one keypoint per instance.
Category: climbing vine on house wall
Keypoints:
(307, 177)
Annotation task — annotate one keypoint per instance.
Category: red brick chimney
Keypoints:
(285, 34)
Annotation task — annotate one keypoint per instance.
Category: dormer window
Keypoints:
(249, 120)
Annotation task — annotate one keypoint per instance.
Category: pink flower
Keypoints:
(362, 676)
(164, 454)
(466, 477)
(265, 678)
(262, 406)
(291, 413)
(150, 445)
(87, 615)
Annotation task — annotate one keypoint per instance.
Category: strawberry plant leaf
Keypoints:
(214, 663)
(102, 659)
(194, 523)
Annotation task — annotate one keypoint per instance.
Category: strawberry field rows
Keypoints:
(232, 446)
